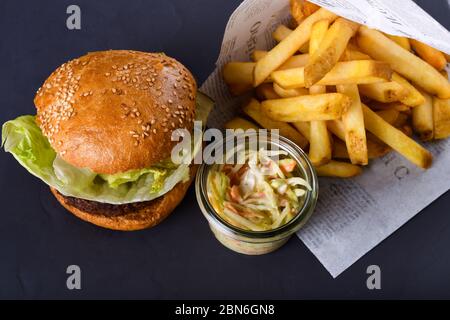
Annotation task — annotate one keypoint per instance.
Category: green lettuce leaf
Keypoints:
(25, 141)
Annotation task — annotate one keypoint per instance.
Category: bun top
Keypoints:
(114, 111)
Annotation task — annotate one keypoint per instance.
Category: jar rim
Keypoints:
(304, 212)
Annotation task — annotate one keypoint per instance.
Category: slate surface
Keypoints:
(180, 258)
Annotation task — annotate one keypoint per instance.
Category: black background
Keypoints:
(179, 258)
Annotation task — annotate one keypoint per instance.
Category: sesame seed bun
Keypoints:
(114, 111)
(127, 217)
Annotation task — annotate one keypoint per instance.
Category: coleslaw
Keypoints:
(263, 193)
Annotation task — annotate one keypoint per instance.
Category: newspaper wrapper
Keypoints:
(355, 215)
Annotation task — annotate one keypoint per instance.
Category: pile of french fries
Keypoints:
(343, 92)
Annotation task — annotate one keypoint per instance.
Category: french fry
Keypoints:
(296, 7)
(309, 8)
(304, 128)
(319, 143)
(389, 115)
(340, 150)
(257, 55)
(350, 55)
(301, 60)
(301, 9)
(253, 110)
(240, 123)
(239, 72)
(407, 130)
(349, 72)
(327, 106)
(338, 170)
(375, 44)
(265, 91)
(422, 119)
(375, 149)
(447, 56)
(318, 33)
(408, 112)
(401, 41)
(330, 51)
(413, 96)
(384, 91)
(297, 61)
(431, 55)
(401, 120)
(396, 139)
(375, 105)
(281, 33)
(304, 49)
(337, 128)
(286, 48)
(239, 89)
(289, 93)
(441, 114)
(355, 132)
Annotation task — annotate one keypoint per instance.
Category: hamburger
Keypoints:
(102, 136)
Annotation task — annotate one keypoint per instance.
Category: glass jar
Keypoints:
(259, 242)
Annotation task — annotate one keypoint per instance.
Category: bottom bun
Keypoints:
(128, 217)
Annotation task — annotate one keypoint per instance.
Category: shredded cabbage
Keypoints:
(263, 194)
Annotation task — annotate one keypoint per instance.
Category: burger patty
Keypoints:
(99, 208)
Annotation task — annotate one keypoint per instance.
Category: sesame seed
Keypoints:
(154, 131)
(107, 74)
(170, 101)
